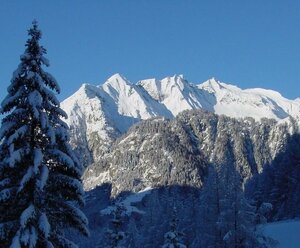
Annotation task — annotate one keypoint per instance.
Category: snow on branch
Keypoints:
(6, 127)
(44, 120)
(35, 99)
(45, 61)
(50, 95)
(5, 194)
(65, 242)
(28, 175)
(79, 218)
(27, 214)
(50, 81)
(16, 241)
(29, 237)
(5, 182)
(16, 74)
(64, 159)
(44, 225)
(75, 184)
(9, 101)
(43, 177)
(62, 133)
(38, 159)
(16, 155)
(19, 133)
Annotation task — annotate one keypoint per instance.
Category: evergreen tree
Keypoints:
(116, 234)
(173, 238)
(210, 211)
(279, 183)
(236, 220)
(40, 186)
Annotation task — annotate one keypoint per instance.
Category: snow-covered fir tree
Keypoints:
(236, 221)
(279, 183)
(116, 235)
(173, 238)
(40, 185)
(209, 211)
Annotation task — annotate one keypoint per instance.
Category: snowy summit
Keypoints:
(111, 108)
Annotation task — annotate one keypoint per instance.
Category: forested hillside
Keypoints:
(199, 164)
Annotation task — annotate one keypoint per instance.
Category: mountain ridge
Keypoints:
(98, 114)
(191, 95)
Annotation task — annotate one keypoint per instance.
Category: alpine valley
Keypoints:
(168, 154)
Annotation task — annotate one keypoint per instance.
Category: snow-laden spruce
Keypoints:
(228, 218)
(40, 186)
(173, 238)
(116, 234)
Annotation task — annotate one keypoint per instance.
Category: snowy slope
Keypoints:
(119, 103)
(131, 100)
(128, 202)
(285, 232)
(257, 103)
(176, 94)
(122, 103)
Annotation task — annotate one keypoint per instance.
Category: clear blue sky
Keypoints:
(248, 43)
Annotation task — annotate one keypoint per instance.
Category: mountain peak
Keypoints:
(177, 81)
(174, 94)
(179, 76)
(117, 79)
(117, 82)
(214, 80)
(85, 91)
(176, 77)
(211, 85)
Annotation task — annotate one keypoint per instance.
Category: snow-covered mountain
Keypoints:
(257, 103)
(122, 103)
(100, 114)
(165, 137)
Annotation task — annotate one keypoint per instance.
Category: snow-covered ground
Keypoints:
(128, 201)
(287, 233)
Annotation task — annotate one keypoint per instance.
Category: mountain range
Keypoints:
(100, 114)
(152, 147)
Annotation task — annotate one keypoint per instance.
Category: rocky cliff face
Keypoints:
(160, 152)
